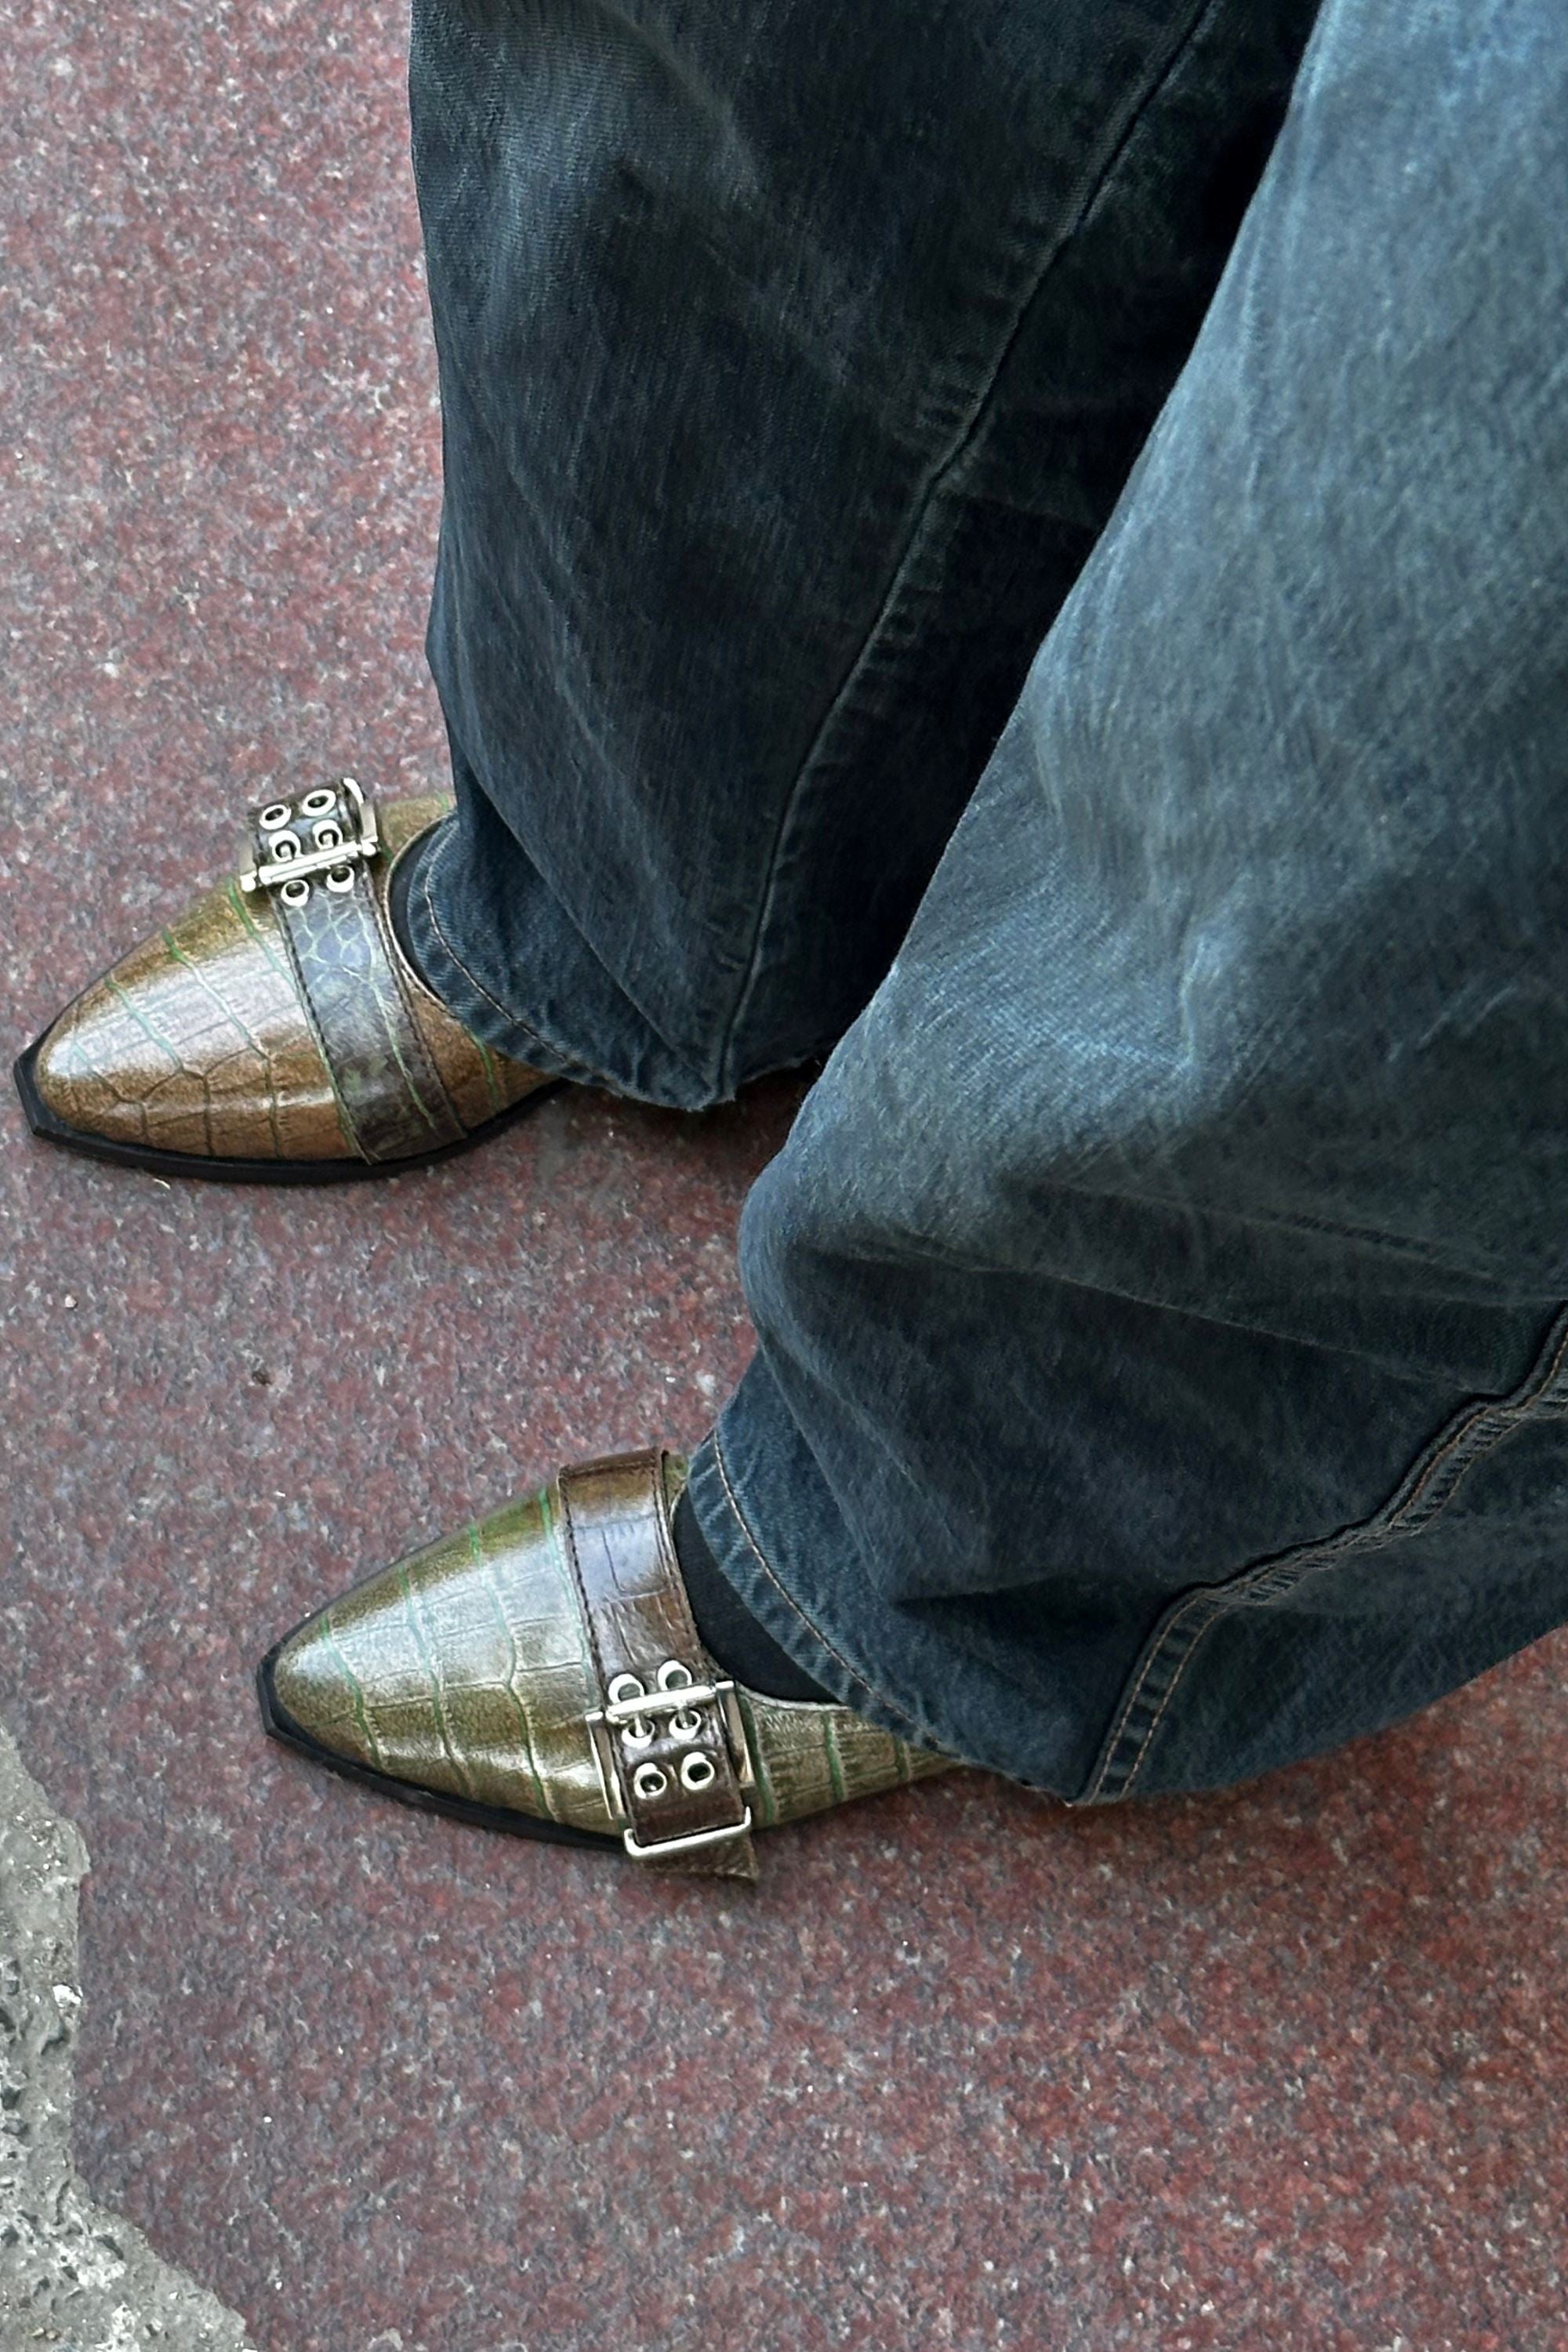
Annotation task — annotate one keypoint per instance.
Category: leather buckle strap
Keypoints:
(669, 1737)
(315, 859)
(695, 1716)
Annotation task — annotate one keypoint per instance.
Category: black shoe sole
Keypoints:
(44, 1123)
(280, 1725)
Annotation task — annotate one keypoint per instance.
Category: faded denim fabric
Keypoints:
(1163, 1371)
(792, 360)
(1161, 1360)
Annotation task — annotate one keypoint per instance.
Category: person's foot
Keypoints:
(541, 1673)
(275, 1032)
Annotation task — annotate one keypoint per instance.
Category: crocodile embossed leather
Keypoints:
(274, 1029)
(541, 1669)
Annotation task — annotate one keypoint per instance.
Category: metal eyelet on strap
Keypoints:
(344, 838)
(683, 1708)
(637, 1731)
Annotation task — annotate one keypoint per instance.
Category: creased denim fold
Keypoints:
(1158, 1300)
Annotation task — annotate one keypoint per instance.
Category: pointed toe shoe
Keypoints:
(274, 1032)
(541, 1672)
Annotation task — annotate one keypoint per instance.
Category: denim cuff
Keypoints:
(778, 1540)
(440, 961)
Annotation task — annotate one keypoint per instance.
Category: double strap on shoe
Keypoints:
(669, 1736)
(316, 858)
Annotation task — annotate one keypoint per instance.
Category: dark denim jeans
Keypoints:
(1160, 1373)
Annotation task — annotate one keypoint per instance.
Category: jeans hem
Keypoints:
(452, 980)
(824, 1612)
(1423, 1494)
(467, 998)
(728, 1526)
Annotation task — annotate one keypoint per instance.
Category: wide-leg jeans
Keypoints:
(1023, 544)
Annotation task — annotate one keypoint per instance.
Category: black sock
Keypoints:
(732, 1637)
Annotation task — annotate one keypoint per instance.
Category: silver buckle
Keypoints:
(328, 833)
(631, 1711)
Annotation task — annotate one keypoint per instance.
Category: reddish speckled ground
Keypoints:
(1280, 2070)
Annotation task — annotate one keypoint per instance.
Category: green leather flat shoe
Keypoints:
(273, 1032)
(541, 1672)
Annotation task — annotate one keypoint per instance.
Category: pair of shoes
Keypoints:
(541, 1672)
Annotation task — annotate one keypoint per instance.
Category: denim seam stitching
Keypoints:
(885, 618)
(412, 979)
(474, 981)
(1395, 1522)
(1421, 1496)
(380, 915)
(788, 1598)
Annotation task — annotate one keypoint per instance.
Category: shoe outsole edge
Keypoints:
(51, 1128)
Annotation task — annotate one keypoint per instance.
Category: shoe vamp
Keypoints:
(196, 1042)
(464, 1669)
(809, 1756)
